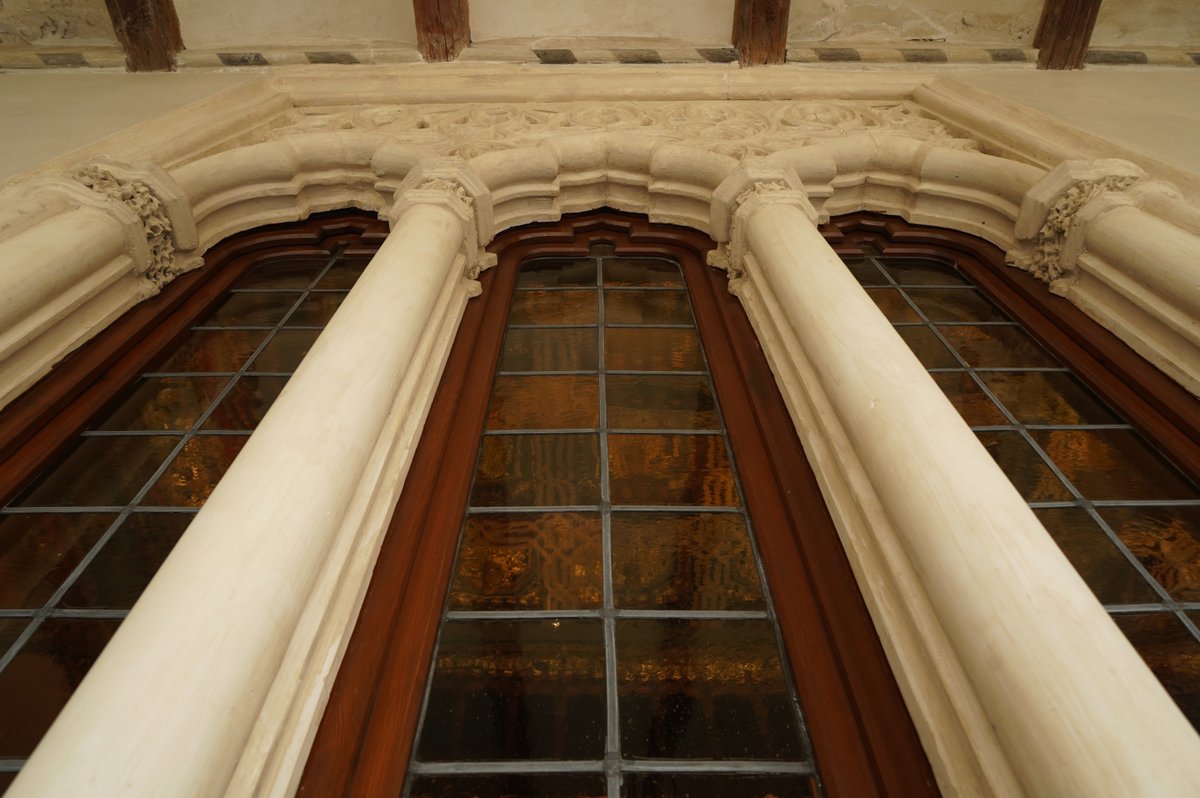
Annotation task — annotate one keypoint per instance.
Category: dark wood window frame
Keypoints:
(863, 739)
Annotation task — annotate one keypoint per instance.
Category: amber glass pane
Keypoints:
(709, 785)
(535, 561)
(683, 401)
(647, 307)
(652, 349)
(969, 399)
(1024, 467)
(165, 403)
(511, 785)
(316, 310)
(670, 470)
(555, 272)
(550, 350)
(866, 272)
(555, 307)
(684, 561)
(193, 474)
(537, 470)
(703, 689)
(932, 353)
(106, 470)
(128, 561)
(1047, 397)
(214, 350)
(642, 271)
(955, 305)
(1171, 652)
(285, 350)
(343, 274)
(920, 271)
(895, 308)
(550, 402)
(1108, 573)
(997, 347)
(1166, 540)
(246, 404)
(1113, 464)
(39, 550)
(38, 681)
(252, 309)
(285, 273)
(516, 690)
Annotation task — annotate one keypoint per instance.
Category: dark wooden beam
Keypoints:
(149, 33)
(1064, 31)
(443, 28)
(760, 31)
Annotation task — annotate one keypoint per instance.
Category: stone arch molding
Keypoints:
(1099, 232)
(211, 699)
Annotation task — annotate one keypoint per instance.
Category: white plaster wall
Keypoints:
(213, 24)
(707, 21)
(52, 22)
(1001, 22)
(1173, 23)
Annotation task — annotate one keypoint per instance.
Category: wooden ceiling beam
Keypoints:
(443, 28)
(1064, 32)
(148, 31)
(760, 31)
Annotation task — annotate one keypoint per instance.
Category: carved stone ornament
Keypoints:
(754, 190)
(1056, 203)
(140, 198)
(736, 128)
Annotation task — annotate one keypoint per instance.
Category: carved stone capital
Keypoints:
(449, 183)
(159, 205)
(749, 188)
(1048, 227)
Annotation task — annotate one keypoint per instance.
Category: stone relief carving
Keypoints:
(736, 128)
(141, 199)
(1045, 261)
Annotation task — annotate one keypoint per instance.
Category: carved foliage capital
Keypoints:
(737, 199)
(1048, 225)
(451, 184)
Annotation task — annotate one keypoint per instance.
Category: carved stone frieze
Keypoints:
(140, 198)
(736, 128)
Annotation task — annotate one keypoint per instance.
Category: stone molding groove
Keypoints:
(226, 702)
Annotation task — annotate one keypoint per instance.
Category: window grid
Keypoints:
(614, 763)
(1160, 600)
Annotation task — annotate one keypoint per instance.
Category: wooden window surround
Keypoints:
(863, 739)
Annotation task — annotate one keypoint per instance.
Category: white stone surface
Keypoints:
(253, 24)
(999, 22)
(41, 111)
(1132, 23)
(708, 21)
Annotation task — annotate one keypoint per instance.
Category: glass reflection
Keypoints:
(38, 681)
(516, 690)
(703, 689)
